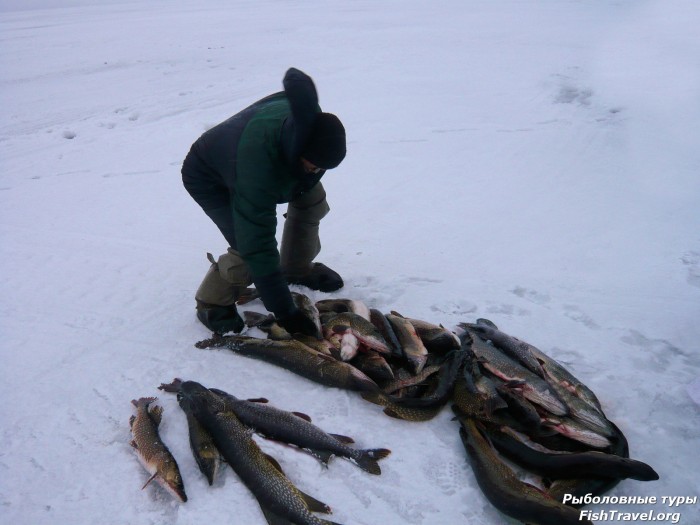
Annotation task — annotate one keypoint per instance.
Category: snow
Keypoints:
(534, 163)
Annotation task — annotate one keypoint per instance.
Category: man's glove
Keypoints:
(297, 322)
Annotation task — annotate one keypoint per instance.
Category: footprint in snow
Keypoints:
(69, 135)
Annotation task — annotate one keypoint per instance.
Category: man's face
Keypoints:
(310, 167)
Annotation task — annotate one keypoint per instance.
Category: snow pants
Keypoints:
(229, 276)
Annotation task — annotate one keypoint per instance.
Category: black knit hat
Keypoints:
(325, 146)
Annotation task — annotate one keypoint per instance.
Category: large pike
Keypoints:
(296, 429)
(532, 386)
(514, 347)
(413, 348)
(500, 485)
(297, 357)
(557, 464)
(150, 449)
(279, 499)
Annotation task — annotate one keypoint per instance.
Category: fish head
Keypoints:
(171, 480)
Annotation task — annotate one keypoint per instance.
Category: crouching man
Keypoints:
(274, 151)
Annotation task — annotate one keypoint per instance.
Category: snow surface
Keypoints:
(532, 162)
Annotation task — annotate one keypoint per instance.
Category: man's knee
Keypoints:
(310, 207)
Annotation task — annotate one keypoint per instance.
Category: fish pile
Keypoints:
(518, 409)
(220, 430)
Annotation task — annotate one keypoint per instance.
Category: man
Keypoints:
(272, 152)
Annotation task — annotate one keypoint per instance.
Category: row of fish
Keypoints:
(220, 430)
(511, 400)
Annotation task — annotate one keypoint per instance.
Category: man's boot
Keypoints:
(216, 296)
(301, 243)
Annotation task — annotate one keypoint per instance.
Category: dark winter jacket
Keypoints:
(249, 164)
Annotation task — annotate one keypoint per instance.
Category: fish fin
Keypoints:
(326, 357)
(149, 480)
(343, 439)
(171, 387)
(131, 421)
(314, 504)
(274, 519)
(397, 314)
(248, 295)
(258, 400)
(302, 416)
(368, 460)
(133, 444)
(275, 463)
(374, 397)
(323, 455)
(492, 404)
(392, 413)
(156, 414)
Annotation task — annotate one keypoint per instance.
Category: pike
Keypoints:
(381, 323)
(202, 445)
(374, 365)
(153, 454)
(436, 338)
(581, 486)
(413, 348)
(513, 347)
(359, 327)
(447, 376)
(581, 411)
(533, 387)
(296, 429)
(397, 411)
(280, 500)
(557, 464)
(266, 323)
(340, 306)
(297, 357)
(308, 308)
(500, 485)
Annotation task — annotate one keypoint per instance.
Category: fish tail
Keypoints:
(367, 459)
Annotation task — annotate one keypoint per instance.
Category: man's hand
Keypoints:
(297, 322)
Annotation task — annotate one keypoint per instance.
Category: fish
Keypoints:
(447, 376)
(556, 464)
(513, 497)
(475, 381)
(298, 358)
(519, 407)
(533, 387)
(381, 323)
(401, 382)
(577, 431)
(414, 350)
(153, 454)
(296, 429)
(397, 411)
(340, 306)
(374, 365)
(513, 347)
(580, 410)
(202, 445)
(436, 338)
(360, 328)
(280, 500)
(308, 308)
(556, 372)
(266, 323)
(580, 487)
